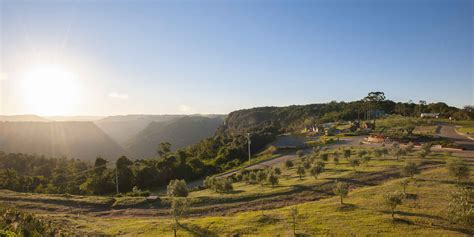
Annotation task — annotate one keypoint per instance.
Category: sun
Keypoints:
(50, 90)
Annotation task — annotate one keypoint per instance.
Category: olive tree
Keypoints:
(392, 200)
(354, 163)
(458, 169)
(294, 218)
(342, 190)
(410, 169)
(316, 170)
(460, 209)
(272, 179)
(301, 171)
(179, 207)
(177, 188)
(347, 153)
(289, 164)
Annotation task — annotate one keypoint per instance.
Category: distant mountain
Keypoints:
(122, 128)
(23, 118)
(74, 118)
(82, 140)
(180, 133)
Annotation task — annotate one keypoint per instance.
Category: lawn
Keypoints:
(466, 127)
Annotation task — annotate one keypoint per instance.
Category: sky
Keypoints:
(183, 57)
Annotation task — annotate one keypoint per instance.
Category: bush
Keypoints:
(136, 192)
(289, 164)
(324, 156)
(342, 190)
(301, 171)
(219, 185)
(277, 171)
(316, 170)
(354, 163)
(177, 188)
(459, 208)
(272, 179)
(300, 153)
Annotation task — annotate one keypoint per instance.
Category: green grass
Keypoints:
(363, 214)
(467, 127)
(426, 129)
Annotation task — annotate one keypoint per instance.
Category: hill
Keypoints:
(122, 128)
(180, 133)
(82, 140)
(23, 118)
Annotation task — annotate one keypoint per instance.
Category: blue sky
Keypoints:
(218, 56)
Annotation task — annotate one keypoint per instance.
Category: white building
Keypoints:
(429, 115)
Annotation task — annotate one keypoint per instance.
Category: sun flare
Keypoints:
(50, 90)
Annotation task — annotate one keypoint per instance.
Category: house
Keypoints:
(429, 115)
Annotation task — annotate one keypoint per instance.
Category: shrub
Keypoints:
(409, 147)
(289, 164)
(177, 188)
(300, 153)
(306, 164)
(404, 184)
(366, 159)
(361, 153)
(321, 163)
(219, 185)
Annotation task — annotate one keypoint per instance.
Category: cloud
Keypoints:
(185, 108)
(3, 76)
(117, 95)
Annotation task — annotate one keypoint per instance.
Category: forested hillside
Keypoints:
(123, 127)
(180, 133)
(81, 140)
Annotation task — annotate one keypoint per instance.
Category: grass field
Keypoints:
(466, 127)
(256, 210)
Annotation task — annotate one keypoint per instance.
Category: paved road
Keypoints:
(449, 131)
(351, 141)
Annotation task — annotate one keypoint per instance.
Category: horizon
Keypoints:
(101, 59)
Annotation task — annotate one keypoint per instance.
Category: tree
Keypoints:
(300, 153)
(177, 188)
(460, 209)
(325, 156)
(316, 170)
(399, 152)
(422, 154)
(361, 153)
(277, 171)
(366, 159)
(373, 101)
(289, 164)
(342, 190)
(294, 218)
(384, 151)
(261, 176)
(336, 160)
(163, 149)
(458, 169)
(404, 184)
(272, 178)
(179, 207)
(100, 166)
(410, 169)
(126, 179)
(306, 164)
(347, 153)
(301, 171)
(354, 163)
(392, 200)
(426, 147)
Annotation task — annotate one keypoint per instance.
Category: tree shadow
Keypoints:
(199, 231)
(346, 207)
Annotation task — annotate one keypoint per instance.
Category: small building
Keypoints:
(429, 115)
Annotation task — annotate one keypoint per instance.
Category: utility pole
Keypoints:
(116, 179)
(248, 138)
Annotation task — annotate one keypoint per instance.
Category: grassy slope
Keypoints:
(467, 127)
(364, 213)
